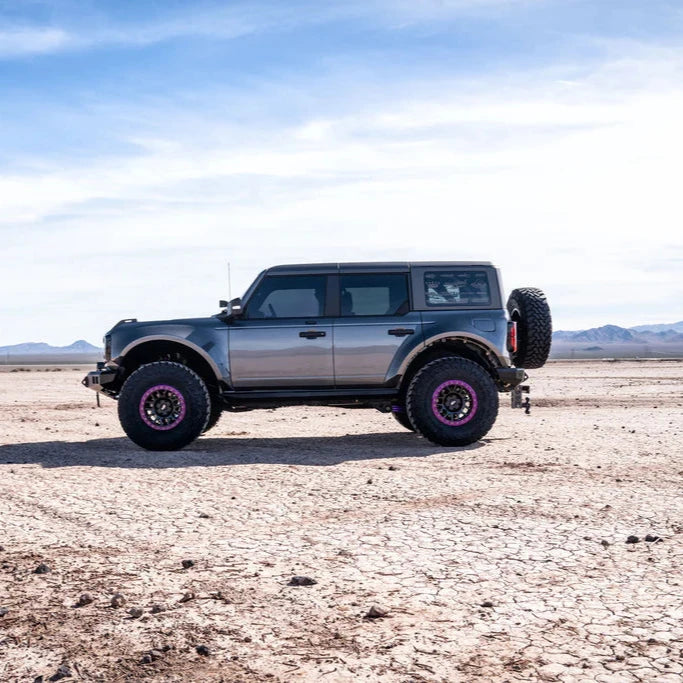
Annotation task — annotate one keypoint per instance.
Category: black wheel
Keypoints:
(401, 416)
(214, 415)
(452, 401)
(164, 406)
(529, 308)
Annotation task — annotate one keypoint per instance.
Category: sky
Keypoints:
(144, 145)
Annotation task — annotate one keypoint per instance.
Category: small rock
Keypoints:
(38, 679)
(157, 608)
(42, 568)
(187, 564)
(118, 600)
(3, 611)
(84, 599)
(2, 548)
(487, 603)
(203, 515)
(302, 581)
(151, 656)
(97, 424)
(189, 595)
(135, 612)
(652, 539)
(63, 671)
(369, 481)
(604, 544)
(632, 539)
(392, 468)
(203, 650)
(376, 612)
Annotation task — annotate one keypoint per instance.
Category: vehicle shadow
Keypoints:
(318, 451)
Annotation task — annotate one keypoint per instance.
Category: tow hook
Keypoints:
(516, 398)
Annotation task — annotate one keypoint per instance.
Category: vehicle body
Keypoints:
(353, 334)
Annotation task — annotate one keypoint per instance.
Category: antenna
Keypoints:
(229, 284)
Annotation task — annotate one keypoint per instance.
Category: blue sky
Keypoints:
(143, 145)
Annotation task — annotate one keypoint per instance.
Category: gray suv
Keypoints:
(432, 343)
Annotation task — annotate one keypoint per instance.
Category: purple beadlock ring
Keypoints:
(463, 398)
(162, 407)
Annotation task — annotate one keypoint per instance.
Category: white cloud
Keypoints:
(21, 42)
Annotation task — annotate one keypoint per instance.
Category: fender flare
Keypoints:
(481, 342)
(176, 340)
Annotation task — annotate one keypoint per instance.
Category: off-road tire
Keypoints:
(214, 415)
(529, 308)
(401, 416)
(164, 406)
(470, 384)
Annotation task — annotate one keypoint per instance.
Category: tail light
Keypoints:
(512, 337)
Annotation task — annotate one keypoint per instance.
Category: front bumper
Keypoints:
(100, 378)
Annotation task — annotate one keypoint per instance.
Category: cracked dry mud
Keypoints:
(504, 561)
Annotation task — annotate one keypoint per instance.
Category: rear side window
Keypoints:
(374, 294)
(289, 296)
(457, 288)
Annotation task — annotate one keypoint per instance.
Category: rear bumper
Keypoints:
(100, 378)
(511, 377)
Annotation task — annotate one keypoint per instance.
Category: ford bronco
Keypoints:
(432, 343)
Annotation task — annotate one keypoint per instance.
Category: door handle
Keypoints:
(312, 334)
(401, 332)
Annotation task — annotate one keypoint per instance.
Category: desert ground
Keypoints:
(504, 561)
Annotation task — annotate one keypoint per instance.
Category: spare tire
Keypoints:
(529, 308)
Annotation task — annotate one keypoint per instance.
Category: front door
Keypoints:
(375, 324)
(283, 338)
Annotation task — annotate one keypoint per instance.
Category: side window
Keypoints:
(374, 294)
(289, 296)
(457, 288)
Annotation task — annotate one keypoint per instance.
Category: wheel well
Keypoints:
(152, 351)
(464, 348)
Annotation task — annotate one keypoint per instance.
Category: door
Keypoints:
(283, 338)
(374, 326)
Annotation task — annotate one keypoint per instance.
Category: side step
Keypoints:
(260, 394)
(267, 397)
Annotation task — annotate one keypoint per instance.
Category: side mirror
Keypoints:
(234, 307)
(222, 303)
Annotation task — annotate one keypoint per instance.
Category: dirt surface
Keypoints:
(506, 560)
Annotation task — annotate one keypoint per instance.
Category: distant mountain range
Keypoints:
(41, 348)
(612, 341)
(640, 334)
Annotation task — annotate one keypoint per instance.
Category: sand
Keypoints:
(503, 561)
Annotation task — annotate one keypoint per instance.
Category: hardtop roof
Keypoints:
(369, 266)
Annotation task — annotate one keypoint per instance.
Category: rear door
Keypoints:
(375, 325)
(283, 338)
